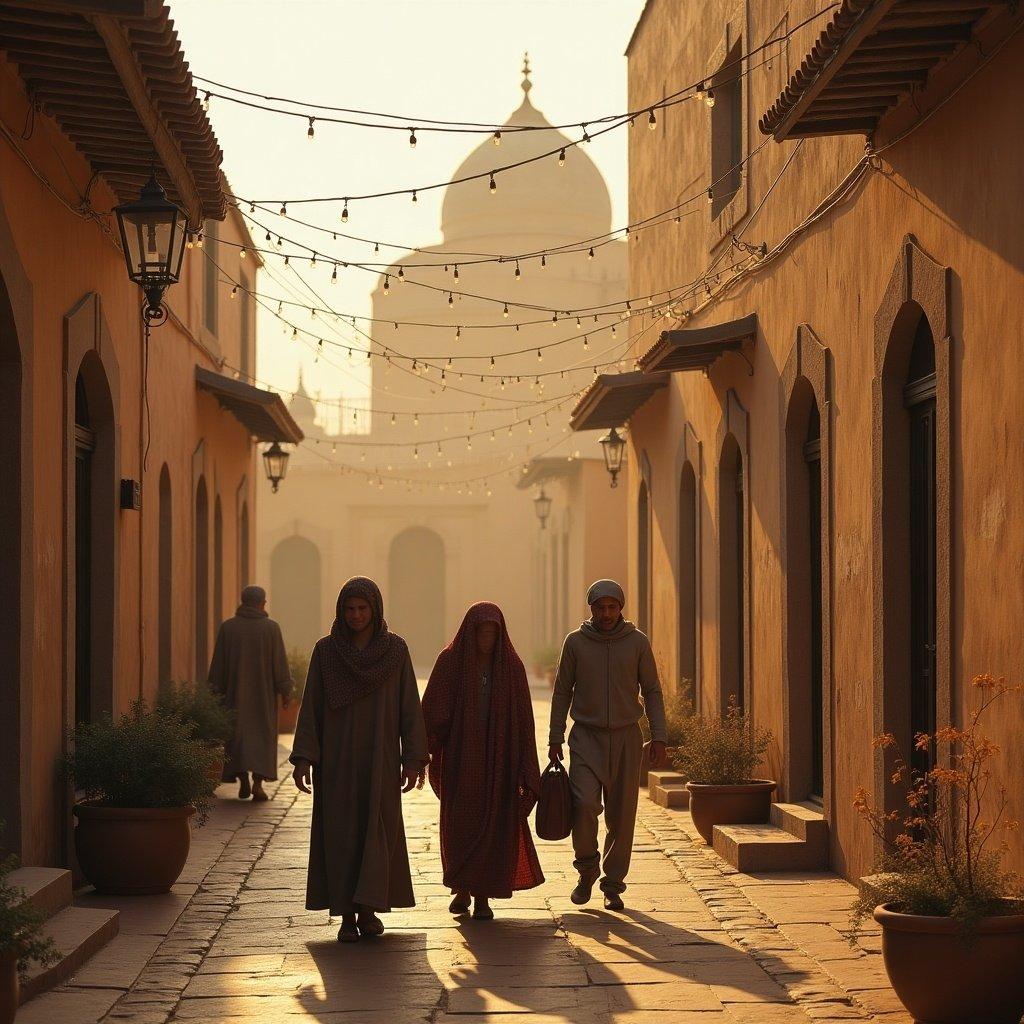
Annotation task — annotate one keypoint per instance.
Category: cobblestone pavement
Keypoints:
(698, 943)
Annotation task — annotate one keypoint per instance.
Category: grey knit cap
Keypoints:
(605, 588)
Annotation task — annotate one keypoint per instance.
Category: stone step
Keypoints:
(662, 776)
(668, 789)
(753, 848)
(47, 889)
(804, 821)
(77, 932)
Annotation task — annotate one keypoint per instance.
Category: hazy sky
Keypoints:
(447, 59)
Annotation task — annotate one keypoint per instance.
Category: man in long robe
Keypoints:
(250, 670)
(605, 667)
(360, 736)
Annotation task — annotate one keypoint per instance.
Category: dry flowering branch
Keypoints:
(946, 858)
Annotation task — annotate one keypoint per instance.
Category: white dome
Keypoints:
(575, 201)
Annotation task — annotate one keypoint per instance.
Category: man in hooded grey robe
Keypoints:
(605, 667)
(250, 670)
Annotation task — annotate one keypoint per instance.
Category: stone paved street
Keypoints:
(697, 943)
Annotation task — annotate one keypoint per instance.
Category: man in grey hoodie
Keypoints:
(605, 667)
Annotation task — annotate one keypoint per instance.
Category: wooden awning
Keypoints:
(696, 348)
(112, 74)
(868, 58)
(613, 398)
(262, 413)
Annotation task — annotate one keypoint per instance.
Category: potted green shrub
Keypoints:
(545, 662)
(952, 918)
(298, 668)
(718, 757)
(143, 777)
(212, 722)
(21, 939)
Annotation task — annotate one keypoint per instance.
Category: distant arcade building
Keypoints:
(435, 552)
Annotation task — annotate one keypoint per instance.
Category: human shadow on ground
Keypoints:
(388, 978)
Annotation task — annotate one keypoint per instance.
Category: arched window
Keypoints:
(643, 558)
(732, 556)
(243, 546)
(165, 588)
(218, 565)
(727, 130)
(94, 541)
(688, 582)
(296, 590)
(416, 591)
(201, 556)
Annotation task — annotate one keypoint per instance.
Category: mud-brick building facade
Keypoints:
(104, 595)
(825, 459)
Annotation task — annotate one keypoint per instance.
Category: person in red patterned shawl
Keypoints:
(483, 763)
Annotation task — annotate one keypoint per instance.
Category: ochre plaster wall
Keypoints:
(953, 186)
(70, 293)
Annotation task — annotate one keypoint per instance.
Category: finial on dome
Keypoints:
(527, 84)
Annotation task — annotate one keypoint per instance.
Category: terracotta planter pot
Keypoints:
(132, 850)
(749, 803)
(939, 978)
(8, 986)
(287, 717)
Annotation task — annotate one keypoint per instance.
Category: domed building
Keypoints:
(470, 397)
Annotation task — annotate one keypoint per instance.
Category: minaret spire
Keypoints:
(526, 83)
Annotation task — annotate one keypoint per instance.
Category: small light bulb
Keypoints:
(243, 253)
(586, 344)
(493, 185)
(711, 196)
(519, 274)
(414, 199)
(309, 131)
(206, 102)
(652, 121)
(344, 213)
(543, 261)
(497, 137)
(199, 240)
(412, 137)
(709, 97)
(387, 284)
(234, 291)
(586, 136)
(284, 210)
(334, 274)
(700, 91)
(456, 271)
(401, 274)
(561, 157)
(451, 301)
(554, 320)
(504, 312)
(590, 254)
(578, 324)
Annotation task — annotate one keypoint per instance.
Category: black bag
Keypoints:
(554, 808)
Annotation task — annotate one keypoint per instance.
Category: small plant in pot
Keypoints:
(21, 939)
(212, 723)
(143, 777)
(952, 918)
(546, 662)
(298, 669)
(718, 757)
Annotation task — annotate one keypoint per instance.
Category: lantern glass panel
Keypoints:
(613, 447)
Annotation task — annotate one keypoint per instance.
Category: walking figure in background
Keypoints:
(605, 667)
(483, 763)
(360, 736)
(249, 670)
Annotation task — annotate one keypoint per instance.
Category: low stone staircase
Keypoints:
(796, 839)
(77, 932)
(668, 789)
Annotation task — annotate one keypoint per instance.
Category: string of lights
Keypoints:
(404, 123)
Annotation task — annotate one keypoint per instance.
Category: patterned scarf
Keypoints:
(348, 672)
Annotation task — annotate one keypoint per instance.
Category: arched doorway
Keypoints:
(10, 571)
(416, 592)
(218, 565)
(295, 592)
(94, 542)
(689, 581)
(732, 556)
(643, 558)
(202, 581)
(165, 579)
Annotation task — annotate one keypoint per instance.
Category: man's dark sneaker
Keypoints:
(613, 901)
(581, 894)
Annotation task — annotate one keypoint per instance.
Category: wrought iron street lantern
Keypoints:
(613, 445)
(153, 239)
(542, 506)
(275, 464)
